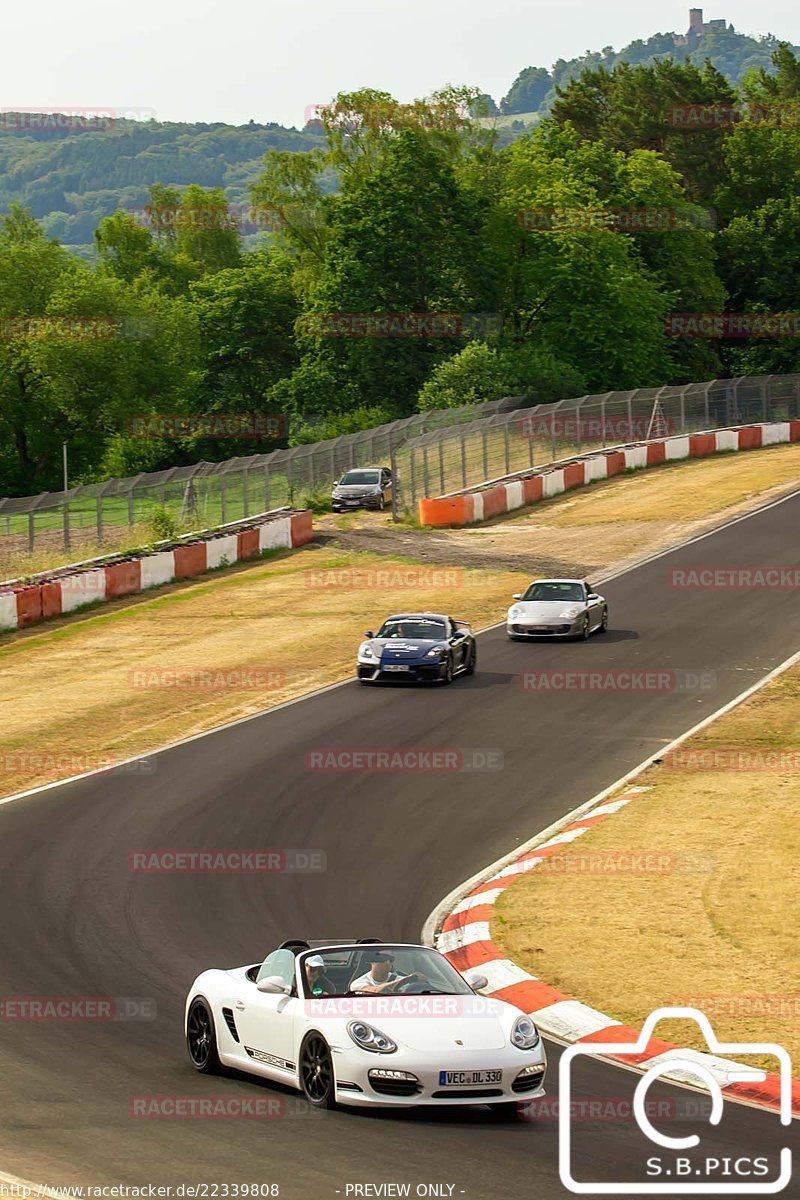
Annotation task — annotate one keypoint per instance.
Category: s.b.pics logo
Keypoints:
(675, 1165)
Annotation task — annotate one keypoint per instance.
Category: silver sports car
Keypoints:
(557, 608)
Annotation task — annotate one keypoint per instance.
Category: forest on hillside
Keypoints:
(546, 267)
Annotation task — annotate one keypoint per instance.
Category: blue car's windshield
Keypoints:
(413, 627)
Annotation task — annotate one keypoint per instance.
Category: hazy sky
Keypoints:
(205, 60)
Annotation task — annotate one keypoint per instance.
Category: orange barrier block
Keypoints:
(615, 462)
(190, 560)
(29, 606)
(574, 475)
(446, 510)
(123, 578)
(51, 600)
(302, 530)
(750, 438)
(656, 453)
(247, 544)
(495, 502)
(532, 488)
(701, 444)
(794, 431)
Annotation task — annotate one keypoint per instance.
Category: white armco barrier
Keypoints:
(8, 610)
(158, 569)
(223, 549)
(772, 435)
(596, 467)
(515, 494)
(84, 588)
(553, 483)
(727, 439)
(275, 534)
(676, 448)
(635, 457)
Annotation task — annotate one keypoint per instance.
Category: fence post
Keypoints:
(412, 456)
(463, 457)
(246, 491)
(425, 469)
(506, 447)
(31, 529)
(100, 516)
(442, 488)
(485, 456)
(266, 487)
(223, 499)
(393, 467)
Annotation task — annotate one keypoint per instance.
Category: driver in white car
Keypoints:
(381, 977)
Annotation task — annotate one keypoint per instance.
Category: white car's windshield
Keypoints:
(557, 592)
(413, 627)
(360, 477)
(379, 969)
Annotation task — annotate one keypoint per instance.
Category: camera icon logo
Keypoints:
(686, 1179)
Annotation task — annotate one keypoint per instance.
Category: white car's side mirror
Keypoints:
(273, 984)
(476, 980)
(517, 596)
(592, 596)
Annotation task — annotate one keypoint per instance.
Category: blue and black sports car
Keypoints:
(423, 647)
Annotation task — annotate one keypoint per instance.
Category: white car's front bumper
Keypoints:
(355, 1085)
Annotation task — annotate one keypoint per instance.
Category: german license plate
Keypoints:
(397, 668)
(467, 1078)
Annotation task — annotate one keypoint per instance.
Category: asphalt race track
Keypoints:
(75, 921)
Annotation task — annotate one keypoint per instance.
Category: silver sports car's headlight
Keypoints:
(524, 1034)
(570, 613)
(513, 613)
(366, 652)
(369, 1038)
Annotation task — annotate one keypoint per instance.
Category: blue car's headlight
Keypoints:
(436, 652)
(369, 1038)
(524, 1034)
(366, 652)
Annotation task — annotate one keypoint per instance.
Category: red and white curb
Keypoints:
(465, 940)
(459, 927)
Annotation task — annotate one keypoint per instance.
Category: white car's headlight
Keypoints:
(369, 1038)
(568, 614)
(366, 651)
(513, 613)
(524, 1034)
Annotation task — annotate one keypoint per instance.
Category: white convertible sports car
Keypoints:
(366, 1023)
